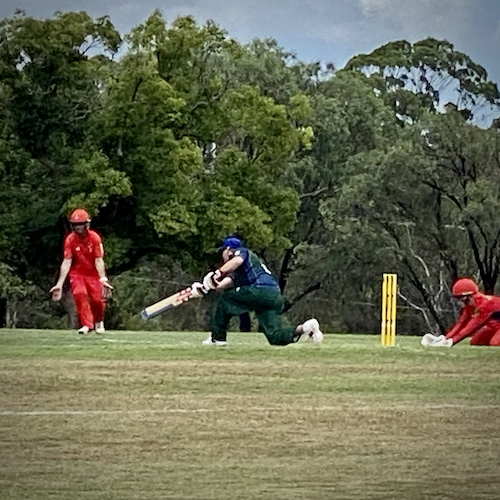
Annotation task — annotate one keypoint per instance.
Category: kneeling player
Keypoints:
(253, 288)
(479, 318)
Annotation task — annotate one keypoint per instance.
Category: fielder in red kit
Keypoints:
(83, 262)
(479, 318)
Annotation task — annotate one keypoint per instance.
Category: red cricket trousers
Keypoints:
(87, 294)
(488, 334)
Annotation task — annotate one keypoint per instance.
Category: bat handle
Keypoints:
(144, 314)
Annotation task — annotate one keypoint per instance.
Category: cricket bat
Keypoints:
(164, 305)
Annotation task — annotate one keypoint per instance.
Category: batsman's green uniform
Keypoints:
(255, 289)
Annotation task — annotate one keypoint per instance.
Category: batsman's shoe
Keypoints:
(216, 343)
(428, 339)
(99, 327)
(84, 330)
(312, 331)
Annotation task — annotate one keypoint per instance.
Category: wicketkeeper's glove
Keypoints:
(107, 289)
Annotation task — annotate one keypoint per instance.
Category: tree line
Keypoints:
(174, 135)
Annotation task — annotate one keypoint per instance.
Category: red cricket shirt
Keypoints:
(472, 317)
(83, 250)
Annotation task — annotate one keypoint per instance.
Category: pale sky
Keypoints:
(316, 30)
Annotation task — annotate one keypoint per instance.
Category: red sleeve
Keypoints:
(68, 247)
(475, 323)
(480, 316)
(98, 249)
(462, 321)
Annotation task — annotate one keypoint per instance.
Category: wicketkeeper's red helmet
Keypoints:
(79, 216)
(464, 287)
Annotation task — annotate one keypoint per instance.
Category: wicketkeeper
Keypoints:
(83, 262)
(479, 318)
(250, 286)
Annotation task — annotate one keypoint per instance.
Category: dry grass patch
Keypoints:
(251, 422)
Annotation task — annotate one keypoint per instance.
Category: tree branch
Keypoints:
(290, 303)
(285, 271)
(433, 185)
(136, 88)
(432, 328)
(313, 193)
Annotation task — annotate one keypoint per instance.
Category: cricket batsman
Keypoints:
(83, 262)
(249, 286)
(479, 318)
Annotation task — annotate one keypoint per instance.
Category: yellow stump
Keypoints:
(389, 303)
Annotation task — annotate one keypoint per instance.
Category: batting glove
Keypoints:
(197, 290)
(208, 281)
(211, 280)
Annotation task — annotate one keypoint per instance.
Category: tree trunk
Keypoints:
(3, 311)
(11, 315)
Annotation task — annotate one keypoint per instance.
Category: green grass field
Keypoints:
(135, 415)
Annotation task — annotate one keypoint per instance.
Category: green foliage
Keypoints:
(93, 183)
(431, 198)
(332, 176)
(11, 286)
(426, 75)
(51, 79)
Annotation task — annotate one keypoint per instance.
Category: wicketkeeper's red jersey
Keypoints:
(473, 317)
(83, 250)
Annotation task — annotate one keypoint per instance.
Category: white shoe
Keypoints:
(428, 339)
(84, 330)
(217, 343)
(311, 329)
(99, 327)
